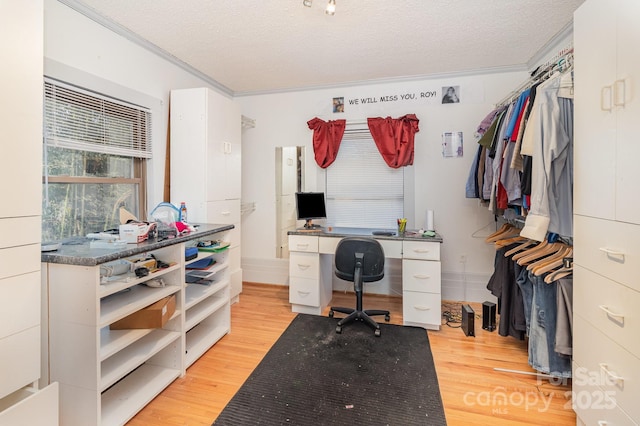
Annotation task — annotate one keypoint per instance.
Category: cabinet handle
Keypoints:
(422, 308)
(610, 252)
(421, 251)
(615, 377)
(421, 277)
(303, 266)
(225, 213)
(302, 246)
(619, 94)
(304, 292)
(602, 423)
(605, 89)
(610, 313)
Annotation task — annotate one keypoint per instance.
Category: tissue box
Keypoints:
(153, 316)
(134, 233)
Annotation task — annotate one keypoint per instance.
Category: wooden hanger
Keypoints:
(558, 273)
(502, 229)
(549, 249)
(509, 232)
(552, 262)
(530, 250)
(521, 247)
(508, 241)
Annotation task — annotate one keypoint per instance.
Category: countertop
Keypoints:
(410, 235)
(76, 251)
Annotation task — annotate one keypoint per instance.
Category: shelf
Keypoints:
(118, 306)
(118, 365)
(130, 279)
(195, 293)
(124, 399)
(202, 310)
(200, 339)
(112, 341)
(201, 255)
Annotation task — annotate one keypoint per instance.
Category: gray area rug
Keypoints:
(313, 376)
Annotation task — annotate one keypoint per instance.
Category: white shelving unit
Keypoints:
(106, 376)
(207, 306)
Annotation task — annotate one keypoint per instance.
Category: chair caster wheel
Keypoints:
(387, 318)
(377, 332)
(330, 314)
(339, 329)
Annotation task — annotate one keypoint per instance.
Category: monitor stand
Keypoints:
(310, 226)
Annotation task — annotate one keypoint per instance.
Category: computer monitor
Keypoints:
(310, 205)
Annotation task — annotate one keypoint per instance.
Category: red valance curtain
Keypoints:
(327, 136)
(394, 138)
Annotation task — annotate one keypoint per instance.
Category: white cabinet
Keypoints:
(606, 293)
(21, 402)
(206, 164)
(607, 104)
(421, 284)
(106, 375)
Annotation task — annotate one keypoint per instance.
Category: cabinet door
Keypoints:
(595, 118)
(626, 94)
(224, 149)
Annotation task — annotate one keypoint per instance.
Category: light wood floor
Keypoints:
(472, 391)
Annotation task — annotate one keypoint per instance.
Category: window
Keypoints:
(95, 151)
(362, 191)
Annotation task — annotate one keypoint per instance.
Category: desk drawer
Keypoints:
(304, 291)
(421, 275)
(421, 308)
(304, 265)
(610, 307)
(421, 250)
(604, 359)
(303, 243)
(609, 248)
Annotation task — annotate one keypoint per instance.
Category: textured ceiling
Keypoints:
(250, 46)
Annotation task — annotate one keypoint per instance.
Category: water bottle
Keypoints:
(183, 212)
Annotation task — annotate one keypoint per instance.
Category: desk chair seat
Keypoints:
(360, 260)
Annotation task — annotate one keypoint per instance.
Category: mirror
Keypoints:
(289, 180)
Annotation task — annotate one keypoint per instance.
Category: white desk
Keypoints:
(311, 272)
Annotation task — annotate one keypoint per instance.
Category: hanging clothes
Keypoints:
(549, 139)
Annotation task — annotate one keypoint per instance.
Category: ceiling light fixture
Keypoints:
(331, 8)
(307, 3)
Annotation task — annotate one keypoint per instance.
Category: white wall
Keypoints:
(439, 182)
(78, 47)
(81, 51)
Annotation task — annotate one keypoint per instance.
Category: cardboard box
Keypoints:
(134, 233)
(153, 316)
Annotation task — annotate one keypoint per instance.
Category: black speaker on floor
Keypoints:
(489, 316)
(467, 321)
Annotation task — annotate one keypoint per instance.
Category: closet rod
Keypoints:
(536, 74)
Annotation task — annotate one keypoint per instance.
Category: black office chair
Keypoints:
(360, 260)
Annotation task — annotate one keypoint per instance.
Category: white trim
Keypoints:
(135, 38)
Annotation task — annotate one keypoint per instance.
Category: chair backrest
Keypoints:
(348, 253)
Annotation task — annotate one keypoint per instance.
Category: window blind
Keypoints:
(78, 119)
(361, 190)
